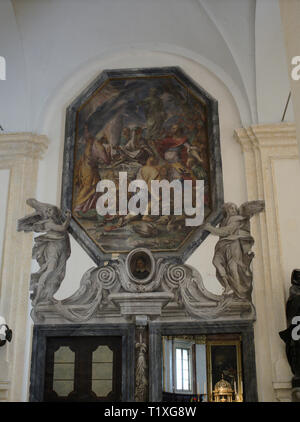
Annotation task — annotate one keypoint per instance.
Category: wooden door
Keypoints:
(83, 369)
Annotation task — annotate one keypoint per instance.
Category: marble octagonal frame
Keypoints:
(217, 195)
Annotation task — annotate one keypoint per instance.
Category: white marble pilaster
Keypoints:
(262, 146)
(20, 154)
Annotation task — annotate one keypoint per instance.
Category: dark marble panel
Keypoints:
(42, 332)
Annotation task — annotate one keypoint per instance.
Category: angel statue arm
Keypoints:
(50, 225)
(226, 230)
(235, 218)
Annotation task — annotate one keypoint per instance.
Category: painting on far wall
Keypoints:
(152, 128)
(224, 362)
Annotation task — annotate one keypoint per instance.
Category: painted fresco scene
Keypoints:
(152, 128)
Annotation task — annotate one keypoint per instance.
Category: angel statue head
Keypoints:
(42, 212)
(230, 209)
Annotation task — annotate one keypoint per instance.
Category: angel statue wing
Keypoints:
(29, 222)
(248, 209)
(26, 223)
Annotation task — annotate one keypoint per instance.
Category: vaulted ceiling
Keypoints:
(46, 41)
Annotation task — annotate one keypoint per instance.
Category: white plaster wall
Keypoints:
(287, 175)
(14, 94)
(272, 78)
(4, 184)
(201, 369)
(235, 21)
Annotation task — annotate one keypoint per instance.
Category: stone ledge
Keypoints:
(141, 303)
(23, 144)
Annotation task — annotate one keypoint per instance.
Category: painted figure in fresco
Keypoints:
(154, 131)
(140, 271)
(101, 151)
(148, 172)
(177, 150)
(171, 147)
(97, 151)
(136, 148)
(155, 114)
(233, 254)
(86, 176)
(125, 137)
(195, 169)
(51, 250)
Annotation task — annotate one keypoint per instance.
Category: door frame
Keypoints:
(38, 355)
(159, 329)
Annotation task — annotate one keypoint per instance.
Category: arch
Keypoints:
(136, 56)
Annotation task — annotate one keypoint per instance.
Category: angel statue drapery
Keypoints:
(141, 371)
(51, 249)
(233, 256)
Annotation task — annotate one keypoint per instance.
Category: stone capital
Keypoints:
(24, 144)
(267, 136)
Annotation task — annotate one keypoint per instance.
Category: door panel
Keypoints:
(83, 369)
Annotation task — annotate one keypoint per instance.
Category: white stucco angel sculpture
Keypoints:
(233, 256)
(51, 249)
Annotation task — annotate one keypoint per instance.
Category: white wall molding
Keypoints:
(25, 144)
(262, 146)
(20, 153)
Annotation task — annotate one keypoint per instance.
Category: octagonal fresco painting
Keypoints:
(150, 124)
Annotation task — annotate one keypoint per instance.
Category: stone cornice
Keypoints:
(267, 136)
(13, 145)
